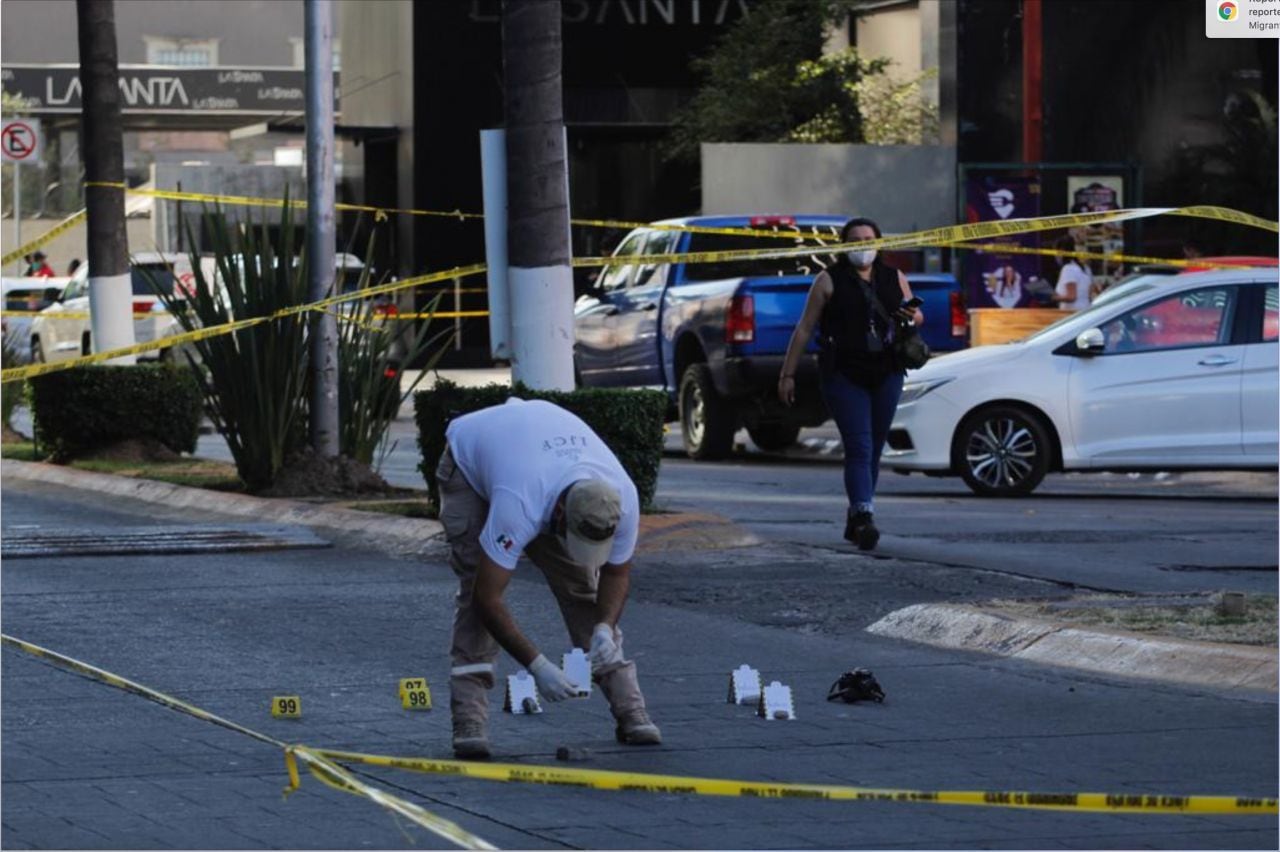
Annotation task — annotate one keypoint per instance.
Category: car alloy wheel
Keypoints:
(707, 420)
(1003, 452)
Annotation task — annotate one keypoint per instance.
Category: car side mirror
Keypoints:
(1090, 342)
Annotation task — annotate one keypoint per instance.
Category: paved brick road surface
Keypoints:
(86, 766)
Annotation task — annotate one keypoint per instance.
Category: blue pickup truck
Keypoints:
(713, 335)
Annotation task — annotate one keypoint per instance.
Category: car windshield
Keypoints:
(806, 235)
(1131, 284)
(1069, 318)
(147, 279)
(33, 299)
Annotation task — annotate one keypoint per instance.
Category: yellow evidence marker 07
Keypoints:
(415, 694)
(286, 707)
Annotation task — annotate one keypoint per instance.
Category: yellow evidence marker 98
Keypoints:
(286, 707)
(415, 694)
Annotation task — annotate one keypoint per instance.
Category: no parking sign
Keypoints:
(20, 141)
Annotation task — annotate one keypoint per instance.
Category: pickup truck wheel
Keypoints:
(1002, 451)
(772, 437)
(707, 421)
(86, 346)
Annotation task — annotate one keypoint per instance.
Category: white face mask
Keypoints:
(861, 259)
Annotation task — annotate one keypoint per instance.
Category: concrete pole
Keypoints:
(110, 284)
(541, 280)
(321, 238)
(493, 180)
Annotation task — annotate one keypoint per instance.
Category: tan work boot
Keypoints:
(636, 728)
(470, 740)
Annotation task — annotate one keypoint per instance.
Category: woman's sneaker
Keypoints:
(860, 528)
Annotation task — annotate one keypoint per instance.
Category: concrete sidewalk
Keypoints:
(86, 766)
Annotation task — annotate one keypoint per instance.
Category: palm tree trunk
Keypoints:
(540, 278)
(110, 288)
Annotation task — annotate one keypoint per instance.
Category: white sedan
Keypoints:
(61, 330)
(1180, 376)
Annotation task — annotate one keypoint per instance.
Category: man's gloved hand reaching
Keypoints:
(605, 649)
(551, 680)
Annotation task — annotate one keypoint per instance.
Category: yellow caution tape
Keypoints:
(1109, 257)
(949, 235)
(602, 779)
(76, 315)
(321, 763)
(14, 374)
(27, 248)
(333, 775)
(1223, 214)
(340, 779)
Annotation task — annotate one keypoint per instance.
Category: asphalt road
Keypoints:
(87, 766)
(1148, 533)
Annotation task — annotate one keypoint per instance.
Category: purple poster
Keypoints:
(995, 279)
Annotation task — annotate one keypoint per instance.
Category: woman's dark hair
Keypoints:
(853, 223)
(1066, 244)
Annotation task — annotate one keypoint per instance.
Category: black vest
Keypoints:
(849, 321)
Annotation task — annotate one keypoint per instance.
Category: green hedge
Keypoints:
(83, 409)
(629, 421)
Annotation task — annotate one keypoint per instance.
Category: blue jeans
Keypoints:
(863, 416)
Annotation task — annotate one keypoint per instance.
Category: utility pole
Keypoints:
(540, 280)
(321, 239)
(110, 284)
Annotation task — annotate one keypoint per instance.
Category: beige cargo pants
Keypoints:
(463, 514)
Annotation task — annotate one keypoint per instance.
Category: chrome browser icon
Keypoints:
(1227, 10)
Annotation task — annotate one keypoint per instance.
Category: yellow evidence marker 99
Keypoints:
(286, 707)
(415, 694)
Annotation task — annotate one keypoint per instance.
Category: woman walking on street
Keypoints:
(855, 305)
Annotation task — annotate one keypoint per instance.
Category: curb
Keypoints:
(398, 536)
(969, 628)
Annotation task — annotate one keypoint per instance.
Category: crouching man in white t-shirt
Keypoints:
(529, 477)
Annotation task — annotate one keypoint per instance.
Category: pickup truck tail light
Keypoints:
(145, 307)
(740, 322)
(959, 317)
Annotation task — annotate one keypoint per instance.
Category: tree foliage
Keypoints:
(769, 80)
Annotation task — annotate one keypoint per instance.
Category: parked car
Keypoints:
(1179, 376)
(713, 335)
(27, 295)
(1148, 276)
(63, 330)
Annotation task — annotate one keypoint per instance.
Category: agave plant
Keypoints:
(254, 379)
(371, 354)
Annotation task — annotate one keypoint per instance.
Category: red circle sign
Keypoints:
(18, 140)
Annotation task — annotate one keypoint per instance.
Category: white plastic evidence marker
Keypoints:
(577, 668)
(744, 685)
(522, 694)
(775, 702)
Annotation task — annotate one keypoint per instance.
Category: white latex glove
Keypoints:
(604, 649)
(551, 680)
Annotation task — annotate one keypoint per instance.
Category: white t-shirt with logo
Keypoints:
(519, 457)
(1077, 273)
